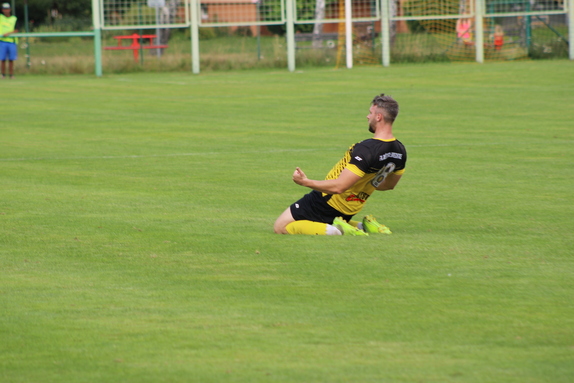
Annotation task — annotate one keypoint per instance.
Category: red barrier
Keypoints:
(135, 46)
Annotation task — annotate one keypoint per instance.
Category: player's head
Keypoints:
(6, 8)
(387, 106)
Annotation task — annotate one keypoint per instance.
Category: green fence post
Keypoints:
(528, 26)
(97, 37)
(27, 28)
(571, 29)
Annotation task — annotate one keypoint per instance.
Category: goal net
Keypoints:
(445, 30)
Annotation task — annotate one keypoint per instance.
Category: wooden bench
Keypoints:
(136, 46)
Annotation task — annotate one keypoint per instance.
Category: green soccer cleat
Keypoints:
(370, 225)
(346, 228)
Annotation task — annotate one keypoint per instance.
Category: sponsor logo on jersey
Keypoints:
(361, 197)
(383, 157)
(358, 158)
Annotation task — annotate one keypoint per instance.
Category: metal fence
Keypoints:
(352, 32)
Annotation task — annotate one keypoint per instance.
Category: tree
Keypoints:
(47, 11)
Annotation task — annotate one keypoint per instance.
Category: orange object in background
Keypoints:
(135, 46)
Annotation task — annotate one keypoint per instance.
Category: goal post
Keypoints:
(385, 33)
(479, 25)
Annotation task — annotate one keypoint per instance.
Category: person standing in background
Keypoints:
(464, 29)
(8, 45)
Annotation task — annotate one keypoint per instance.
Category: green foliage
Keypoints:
(431, 7)
(556, 49)
(243, 31)
(206, 33)
(39, 11)
(415, 26)
(428, 8)
(139, 13)
(549, 44)
(65, 24)
(271, 11)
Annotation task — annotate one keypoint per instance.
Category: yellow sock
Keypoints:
(355, 223)
(307, 227)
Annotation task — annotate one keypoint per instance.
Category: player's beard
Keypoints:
(371, 127)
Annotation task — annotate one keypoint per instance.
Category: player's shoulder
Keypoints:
(378, 143)
(385, 148)
(370, 142)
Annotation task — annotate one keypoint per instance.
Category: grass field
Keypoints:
(136, 239)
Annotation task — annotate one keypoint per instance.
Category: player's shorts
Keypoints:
(8, 51)
(314, 207)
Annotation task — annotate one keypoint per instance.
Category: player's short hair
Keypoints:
(389, 106)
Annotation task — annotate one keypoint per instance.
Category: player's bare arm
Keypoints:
(391, 180)
(337, 186)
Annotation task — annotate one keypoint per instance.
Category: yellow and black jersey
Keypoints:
(372, 160)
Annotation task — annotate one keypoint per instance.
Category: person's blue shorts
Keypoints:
(8, 51)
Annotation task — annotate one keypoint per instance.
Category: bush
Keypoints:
(549, 50)
(206, 33)
(66, 24)
(415, 26)
(243, 31)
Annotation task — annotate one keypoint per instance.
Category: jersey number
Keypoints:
(382, 174)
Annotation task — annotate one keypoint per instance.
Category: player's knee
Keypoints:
(279, 228)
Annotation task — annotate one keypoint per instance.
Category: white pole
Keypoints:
(194, 29)
(349, 33)
(571, 29)
(386, 32)
(290, 20)
(479, 31)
